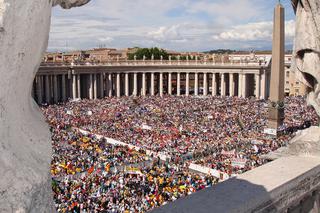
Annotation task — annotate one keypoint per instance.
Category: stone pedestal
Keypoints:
(276, 116)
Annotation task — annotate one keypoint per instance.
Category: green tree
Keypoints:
(148, 52)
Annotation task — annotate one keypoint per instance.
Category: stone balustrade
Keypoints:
(157, 63)
(289, 184)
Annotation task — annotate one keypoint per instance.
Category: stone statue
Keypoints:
(25, 147)
(306, 62)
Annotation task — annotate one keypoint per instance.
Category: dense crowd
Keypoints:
(90, 175)
(225, 134)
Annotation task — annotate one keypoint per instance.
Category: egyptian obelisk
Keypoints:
(276, 107)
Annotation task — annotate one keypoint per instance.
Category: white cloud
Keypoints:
(174, 24)
(259, 31)
(166, 33)
(106, 39)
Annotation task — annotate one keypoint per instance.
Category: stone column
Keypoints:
(152, 83)
(126, 79)
(63, 85)
(95, 91)
(39, 89)
(263, 85)
(74, 86)
(101, 86)
(90, 87)
(144, 86)
(135, 84)
(244, 85)
(223, 85)
(196, 86)
(178, 84)
(161, 84)
(214, 85)
(55, 89)
(110, 86)
(257, 86)
(79, 86)
(51, 88)
(205, 84)
(118, 85)
(170, 84)
(240, 93)
(47, 85)
(231, 84)
(187, 84)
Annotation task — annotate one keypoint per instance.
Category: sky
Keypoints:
(181, 25)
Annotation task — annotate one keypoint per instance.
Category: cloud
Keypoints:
(106, 39)
(259, 31)
(186, 25)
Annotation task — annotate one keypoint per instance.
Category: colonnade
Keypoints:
(61, 87)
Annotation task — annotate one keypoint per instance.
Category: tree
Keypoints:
(148, 52)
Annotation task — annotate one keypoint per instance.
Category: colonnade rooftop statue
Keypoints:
(25, 148)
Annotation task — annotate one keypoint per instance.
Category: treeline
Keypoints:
(157, 53)
(220, 51)
(148, 52)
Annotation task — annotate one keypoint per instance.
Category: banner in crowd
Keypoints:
(229, 153)
(146, 127)
(238, 162)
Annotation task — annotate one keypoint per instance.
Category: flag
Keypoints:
(91, 170)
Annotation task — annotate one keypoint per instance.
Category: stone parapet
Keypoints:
(289, 184)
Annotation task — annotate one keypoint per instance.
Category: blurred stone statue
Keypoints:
(25, 145)
(306, 53)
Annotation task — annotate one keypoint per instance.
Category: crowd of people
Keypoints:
(221, 133)
(91, 175)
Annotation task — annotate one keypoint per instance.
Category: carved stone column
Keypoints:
(161, 84)
(135, 84)
(152, 84)
(110, 85)
(118, 85)
(126, 80)
(90, 87)
(178, 84)
(47, 85)
(74, 86)
(101, 85)
(231, 84)
(95, 89)
(39, 89)
(170, 84)
(240, 92)
(187, 84)
(55, 89)
(214, 85)
(63, 85)
(79, 85)
(196, 86)
(257, 86)
(144, 85)
(223, 85)
(205, 84)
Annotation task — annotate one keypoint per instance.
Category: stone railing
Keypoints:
(154, 63)
(289, 184)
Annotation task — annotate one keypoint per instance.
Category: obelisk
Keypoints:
(276, 107)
